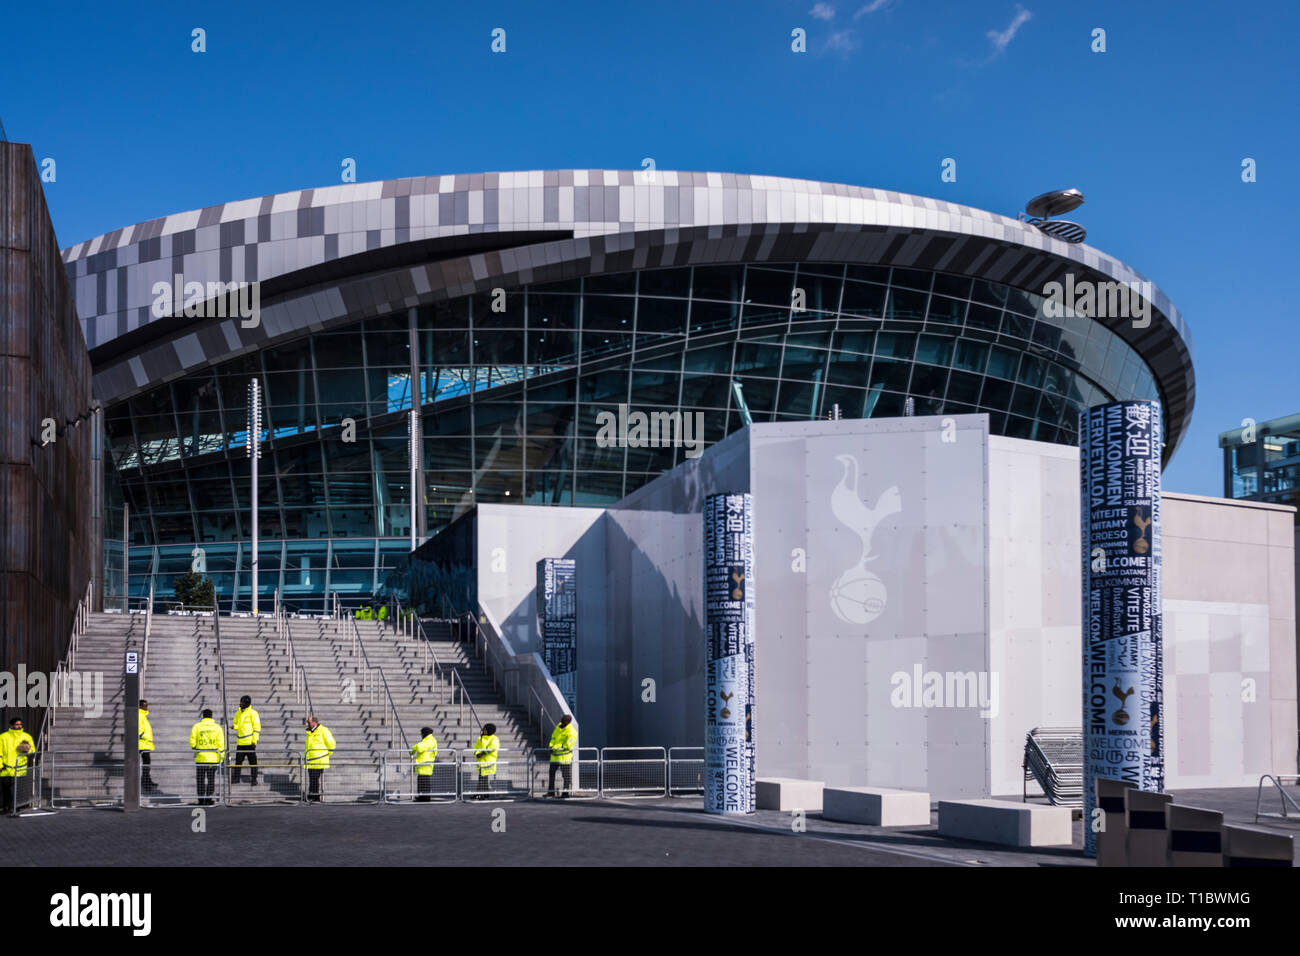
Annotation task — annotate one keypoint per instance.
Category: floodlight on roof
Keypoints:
(1041, 209)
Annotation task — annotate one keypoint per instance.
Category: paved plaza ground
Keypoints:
(573, 832)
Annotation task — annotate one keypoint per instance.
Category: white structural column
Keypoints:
(254, 453)
(414, 449)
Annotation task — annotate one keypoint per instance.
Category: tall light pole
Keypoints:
(254, 453)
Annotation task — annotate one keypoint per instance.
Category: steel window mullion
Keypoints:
(577, 381)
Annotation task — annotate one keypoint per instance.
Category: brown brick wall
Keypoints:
(46, 539)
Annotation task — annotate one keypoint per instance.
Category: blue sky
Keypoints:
(1153, 131)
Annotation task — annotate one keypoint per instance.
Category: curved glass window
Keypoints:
(512, 402)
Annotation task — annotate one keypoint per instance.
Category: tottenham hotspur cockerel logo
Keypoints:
(858, 596)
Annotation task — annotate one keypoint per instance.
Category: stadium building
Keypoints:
(516, 311)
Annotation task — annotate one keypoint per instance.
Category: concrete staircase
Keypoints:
(426, 699)
(183, 675)
(102, 651)
(181, 678)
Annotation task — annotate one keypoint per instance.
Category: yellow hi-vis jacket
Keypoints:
(146, 731)
(425, 753)
(485, 749)
(14, 760)
(247, 726)
(320, 744)
(564, 741)
(208, 741)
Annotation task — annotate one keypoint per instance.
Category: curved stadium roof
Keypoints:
(336, 253)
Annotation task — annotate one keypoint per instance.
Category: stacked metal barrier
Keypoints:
(1054, 760)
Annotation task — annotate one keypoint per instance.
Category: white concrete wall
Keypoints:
(1229, 588)
(1229, 618)
(1230, 641)
(510, 540)
(1035, 602)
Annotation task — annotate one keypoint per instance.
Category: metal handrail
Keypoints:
(454, 681)
(297, 673)
(428, 663)
(80, 624)
(144, 649)
(357, 642)
(1276, 780)
(541, 711)
(221, 664)
(492, 663)
(464, 699)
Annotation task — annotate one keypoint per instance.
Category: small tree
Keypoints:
(193, 590)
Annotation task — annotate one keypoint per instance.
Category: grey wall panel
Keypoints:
(893, 523)
(1034, 597)
(979, 574)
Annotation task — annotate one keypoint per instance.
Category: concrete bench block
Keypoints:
(876, 806)
(1248, 846)
(1112, 842)
(1147, 840)
(1006, 822)
(788, 793)
(1195, 836)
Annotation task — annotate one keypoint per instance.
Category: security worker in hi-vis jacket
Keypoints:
(318, 747)
(247, 726)
(564, 741)
(486, 749)
(146, 749)
(15, 745)
(208, 741)
(425, 753)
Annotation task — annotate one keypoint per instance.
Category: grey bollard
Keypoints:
(1246, 846)
(1195, 836)
(1112, 849)
(1147, 841)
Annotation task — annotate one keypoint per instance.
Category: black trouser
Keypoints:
(206, 775)
(6, 795)
(566, 769)
(484, 783)
(424, 787)
(313, 784)
(146, 782)
(245, 752)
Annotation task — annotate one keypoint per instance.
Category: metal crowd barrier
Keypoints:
(1288, 808)
(506, 780)
(349, 780)
(403, 783)
(584, 774)
(280, 780)
(78, 779)
(643, 775)
(23, 789)
(176, 779)
(1054, 760)
(685, 771)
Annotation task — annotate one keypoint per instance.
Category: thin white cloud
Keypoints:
(871, 8)
(842, 42)
(1002, 39)
(822, 11)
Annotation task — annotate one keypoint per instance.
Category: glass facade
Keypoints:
(1262, 462)
(509, 394)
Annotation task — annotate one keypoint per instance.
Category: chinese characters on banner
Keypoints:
(1119, 460)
